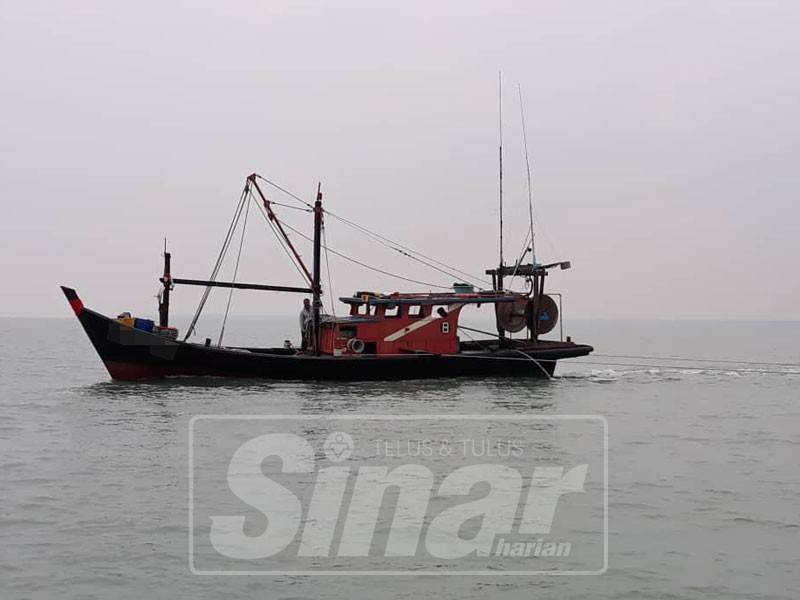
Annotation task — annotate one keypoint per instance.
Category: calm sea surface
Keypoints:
(704, 471)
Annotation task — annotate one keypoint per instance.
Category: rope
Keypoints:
(308, 210)
(235, 273)
(504, 358)
(366, 266)
(285, 191)
(409, 252)
(220, 257)
(528, 166)
(396, 246)
(280, 239)
(494, 335)
(707, 360)
(472, 338)
(684, 367)
(328, 269)
(536, 362)
(523, 252)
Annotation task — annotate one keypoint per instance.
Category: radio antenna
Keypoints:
(500, 114)
(528, 167)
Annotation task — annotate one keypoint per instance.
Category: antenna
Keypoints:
(528, 167)
(498, 281)
(500, 113)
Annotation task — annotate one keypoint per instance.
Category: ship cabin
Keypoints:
(401, 323)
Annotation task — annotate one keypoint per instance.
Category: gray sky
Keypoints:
(664, 139)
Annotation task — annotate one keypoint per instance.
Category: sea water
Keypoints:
(704, 484)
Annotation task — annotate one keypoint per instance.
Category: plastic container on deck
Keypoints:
(143, 324)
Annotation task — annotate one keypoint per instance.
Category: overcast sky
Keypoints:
(663, 137)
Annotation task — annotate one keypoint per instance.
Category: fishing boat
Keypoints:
(384, 336)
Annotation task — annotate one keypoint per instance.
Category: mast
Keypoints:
(315, 286)
(499, 281)
(166, 280)
(500, 112)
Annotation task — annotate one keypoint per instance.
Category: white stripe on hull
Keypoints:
(393, 337)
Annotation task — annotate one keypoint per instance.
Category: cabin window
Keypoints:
(365, 310)
(391, 311)
(414, 311)
(348, 332)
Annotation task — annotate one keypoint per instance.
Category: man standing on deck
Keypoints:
(305, 324)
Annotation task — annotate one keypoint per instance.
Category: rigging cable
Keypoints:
(280, 239)
(410, 253)
(285, 191)
(579, 361)
(536, 362)
(530, 234)
(391, 244)
(366, 266)
(518, 262)
(220, 258)
(235, 274)
(528, 168)
(328, 269)
(308, 210)
(706, 360)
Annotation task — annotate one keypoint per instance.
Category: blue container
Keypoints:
(144, 325)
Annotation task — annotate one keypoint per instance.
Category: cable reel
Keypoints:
(515, 316)
(547, 314)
